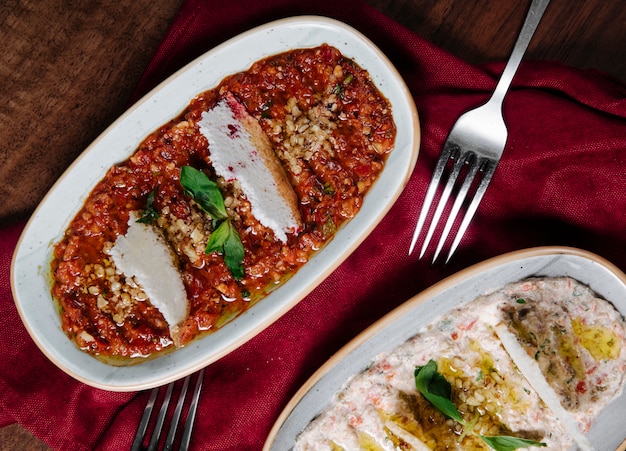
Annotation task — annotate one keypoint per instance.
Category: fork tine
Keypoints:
(489, 167)
(474, 165)
(191, 416)
(430, 193)
(156, 434)
(145, 419)
(443, 201)
(171, 433)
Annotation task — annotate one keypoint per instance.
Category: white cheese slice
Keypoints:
(531, 371)
(241, 151)
(143, 254)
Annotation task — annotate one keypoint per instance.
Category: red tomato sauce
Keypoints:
(331, 129)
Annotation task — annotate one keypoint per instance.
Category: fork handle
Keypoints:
(535, 13)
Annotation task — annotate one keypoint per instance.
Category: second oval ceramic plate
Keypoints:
(607, 433)
(30, 268)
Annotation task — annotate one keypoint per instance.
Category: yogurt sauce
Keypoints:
(380, 408)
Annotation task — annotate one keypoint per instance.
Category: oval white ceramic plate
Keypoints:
(30, 266)
(405, 321)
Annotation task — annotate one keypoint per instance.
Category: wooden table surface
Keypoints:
(67, 73)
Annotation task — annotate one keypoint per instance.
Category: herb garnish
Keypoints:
(338, 90)
(438, 391)
(224, 238)
(506, 443)
(149, 215)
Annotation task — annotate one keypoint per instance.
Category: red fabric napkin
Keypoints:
(562, 181)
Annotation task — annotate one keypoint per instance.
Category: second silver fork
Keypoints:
(475, 143)
(155, 437)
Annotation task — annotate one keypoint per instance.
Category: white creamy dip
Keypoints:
(570, 339)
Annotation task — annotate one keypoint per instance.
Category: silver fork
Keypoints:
(140, 436)
(477, 141)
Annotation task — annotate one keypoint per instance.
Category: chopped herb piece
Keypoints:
(149, 215)
(521, 301)
(506, 443)
(329, 227)
(339, 87)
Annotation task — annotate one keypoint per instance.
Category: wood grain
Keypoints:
(68, 67)
(586, 35)
(14, 438)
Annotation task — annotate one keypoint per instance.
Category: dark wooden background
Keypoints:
(67, 68)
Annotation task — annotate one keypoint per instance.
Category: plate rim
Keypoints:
(421, 298)
(298, 294)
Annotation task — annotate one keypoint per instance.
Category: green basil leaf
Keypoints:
(204, 191)
(437, 390)
(217, 239)
(226, 241)
(506, 443)
(234, 252)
